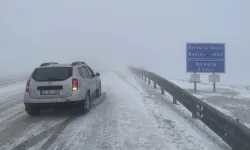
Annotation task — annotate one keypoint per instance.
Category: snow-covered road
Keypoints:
(129, 115)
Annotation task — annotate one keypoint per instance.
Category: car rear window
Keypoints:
(52, 74)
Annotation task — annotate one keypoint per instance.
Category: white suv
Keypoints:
(57, 85)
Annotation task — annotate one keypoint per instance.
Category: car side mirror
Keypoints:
(97, 74)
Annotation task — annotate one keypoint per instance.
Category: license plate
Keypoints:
(49, 92)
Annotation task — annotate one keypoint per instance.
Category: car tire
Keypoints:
(99, 91)
(32, 111)
(86, 105)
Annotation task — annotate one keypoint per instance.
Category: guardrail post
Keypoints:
(194, 115)
(148, 81)
(174, 100)
(162, 91)
(145, 78)
(154, 85)
(199, 112)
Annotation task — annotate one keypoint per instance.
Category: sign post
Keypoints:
(214, 86)
(205, 58)
(214, 78)
(195, 85)
(195, 78)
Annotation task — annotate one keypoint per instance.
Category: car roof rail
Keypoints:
(48, 63)
(77, 63)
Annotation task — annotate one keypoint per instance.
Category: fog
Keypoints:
(113, 34)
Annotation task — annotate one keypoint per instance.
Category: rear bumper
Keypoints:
(76, 96)
(51, 103)
(27, 99)
(55, 104)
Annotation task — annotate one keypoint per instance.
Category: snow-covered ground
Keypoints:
(205, 89)
(11, 80)
(129, 115)
(232, 100)
(175, 120)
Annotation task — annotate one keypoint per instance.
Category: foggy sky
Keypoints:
(112, 34)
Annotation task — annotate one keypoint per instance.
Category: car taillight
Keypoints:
(28, 86)
(74, 84)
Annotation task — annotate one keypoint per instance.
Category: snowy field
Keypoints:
(232, 100)
(129, 115)
(7, 81)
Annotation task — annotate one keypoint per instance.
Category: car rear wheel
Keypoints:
(32, 111)
(99, 91)
(86, 105)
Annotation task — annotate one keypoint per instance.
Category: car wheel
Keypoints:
(99, 91)
(86, 104)
(32, 111)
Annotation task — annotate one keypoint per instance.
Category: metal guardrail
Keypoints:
(235, 134)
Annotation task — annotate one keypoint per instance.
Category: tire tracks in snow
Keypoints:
(11, 104)
(85, 134)
(10, 109)
(9, 120)
(10, 98)
(55, 130)
(103, 134)
(52, 132)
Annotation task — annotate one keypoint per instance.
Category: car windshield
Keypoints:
(52, 74)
